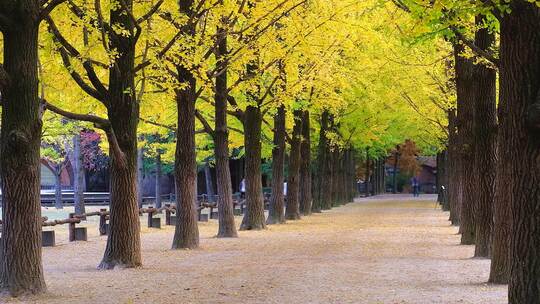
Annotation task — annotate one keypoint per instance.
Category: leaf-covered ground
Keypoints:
(387, 250)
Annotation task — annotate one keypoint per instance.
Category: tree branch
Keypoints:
(477, 50)
(162, 53)
(417, 110)
(268, 89)
(78, 78)
(98, 23)
(151, 12)
(157, 124)
(206, 126)
(100, 91)
(129, 13)
(99, 122)
(237, 112)
(401, 5)
(45, 11)
(101, 25)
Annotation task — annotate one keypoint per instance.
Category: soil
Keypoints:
(389, 249)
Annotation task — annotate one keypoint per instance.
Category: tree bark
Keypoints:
(377, 176)
(123, 243)
(78, 174)
(158, 180)
(208, 182)
(254, 217)
(186, 233)
(227, 227)
(276, 213)
(58, 204)
(368, 173)
(394, 174)
(520, 91)
(442, 181)
(501, 234)
(485, 126)
(454, 172)
(306, 197)
(343, 177)
(323, 200)
(292, 211)
(140, 176)
(21, 269)
(465, 85)
(333, 165)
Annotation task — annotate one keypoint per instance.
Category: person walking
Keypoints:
(415, 186)
(243, 188)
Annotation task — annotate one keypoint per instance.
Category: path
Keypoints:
(372, 251)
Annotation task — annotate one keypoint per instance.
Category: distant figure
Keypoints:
(285, 188)
(243, 188)
(415, 186)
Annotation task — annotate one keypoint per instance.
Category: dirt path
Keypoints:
(372, 251)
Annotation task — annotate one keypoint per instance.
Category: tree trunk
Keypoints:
(58, 204)
(186, 232)
(208, 182)
(501, 234)
(277, 203)
(442, 183)
(140, 176)
(254, 217)
(78, 174)
(454, 173)
(439, 164)
(158, 180)
(368, 173)
(520, 89)
(394, 174)
(123, 243)
(465, 85)
(324, 197)
(500, 255)
(377, 177)
(343, 177)
(21, 269)
(292, 211)
(227, 227)
(446, 177)
(306, 197)
(485, 126)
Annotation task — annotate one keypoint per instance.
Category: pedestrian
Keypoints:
(243, 188)
(415, 186)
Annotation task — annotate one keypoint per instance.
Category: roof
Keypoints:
(430, 161)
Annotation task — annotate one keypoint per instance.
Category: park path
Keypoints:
(390, 249)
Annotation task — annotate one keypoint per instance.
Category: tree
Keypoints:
(277, 202)
(186, 232)
(21, 269)
(519, 87)
(485, 128)
(292, 211)
(120, 100)
(306, 197)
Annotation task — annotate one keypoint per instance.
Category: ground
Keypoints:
(386, 250)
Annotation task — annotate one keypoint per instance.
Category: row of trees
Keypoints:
(493, 147)
(209, 75)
